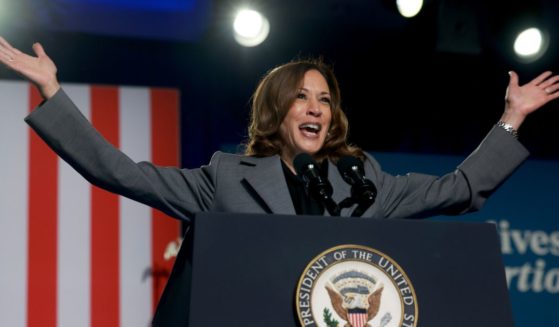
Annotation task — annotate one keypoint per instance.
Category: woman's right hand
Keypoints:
(39, 70)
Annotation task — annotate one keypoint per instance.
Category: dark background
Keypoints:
(431, 84)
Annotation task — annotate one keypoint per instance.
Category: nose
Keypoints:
(313, 108)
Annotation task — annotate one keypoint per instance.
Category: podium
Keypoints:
(244, 269)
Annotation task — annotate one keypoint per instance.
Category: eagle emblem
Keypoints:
(356, 297)
(355, 286)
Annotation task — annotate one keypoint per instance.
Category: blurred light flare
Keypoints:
(530, 44)
(250, 28)
(409, 8)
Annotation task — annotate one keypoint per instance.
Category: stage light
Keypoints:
(530, 44)
(409, 8)
(520, 30)
(251, 28)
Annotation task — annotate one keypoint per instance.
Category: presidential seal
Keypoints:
(355, 286)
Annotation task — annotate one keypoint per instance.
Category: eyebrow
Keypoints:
(323, 92)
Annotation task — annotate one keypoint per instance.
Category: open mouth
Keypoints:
(310, 128)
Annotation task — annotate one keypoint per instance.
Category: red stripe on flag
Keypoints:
(358, 319)
(165, 152)
(42, 233)
(105, 220)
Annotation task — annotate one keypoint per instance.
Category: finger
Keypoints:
(550, 81)
(513, 81)
(38, 49)
(4, 43)
(551, 90)
(5, 58)
(542, 77)
(5, 52)
(5, 47)
(553, 96)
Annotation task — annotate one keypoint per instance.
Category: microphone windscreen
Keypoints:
(346, 163)
(302, 162)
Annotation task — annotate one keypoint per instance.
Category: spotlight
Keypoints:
(519, 31)
(409, 8)
(251, 28)
(530, 44)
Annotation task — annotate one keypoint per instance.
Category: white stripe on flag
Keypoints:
(135, 219)
(74, 234)
(14, 149)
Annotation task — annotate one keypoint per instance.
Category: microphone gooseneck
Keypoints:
(363, 191)
(317, 186)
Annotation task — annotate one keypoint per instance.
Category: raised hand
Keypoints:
(522, 100)
(39, 70)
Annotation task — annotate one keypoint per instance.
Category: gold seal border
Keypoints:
(362, 247)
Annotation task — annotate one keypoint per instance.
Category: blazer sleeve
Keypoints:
(465, 189)
(178, 192)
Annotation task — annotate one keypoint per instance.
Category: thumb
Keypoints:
(513, 81)
(38, 49)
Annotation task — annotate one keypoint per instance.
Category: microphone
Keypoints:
(363, 191)
(316, 186)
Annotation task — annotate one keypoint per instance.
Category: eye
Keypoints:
(301, 95)
(326, 100)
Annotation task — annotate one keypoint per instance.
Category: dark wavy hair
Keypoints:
(271, 101)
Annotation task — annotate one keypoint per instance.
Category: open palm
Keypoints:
(39, 70)
(527, 98)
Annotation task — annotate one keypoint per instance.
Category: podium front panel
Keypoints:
(245, 268)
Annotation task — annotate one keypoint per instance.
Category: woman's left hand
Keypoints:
(522, 100)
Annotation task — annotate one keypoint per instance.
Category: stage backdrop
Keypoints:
(526, 211)
(72, 254)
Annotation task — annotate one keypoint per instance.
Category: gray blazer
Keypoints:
(242, 184)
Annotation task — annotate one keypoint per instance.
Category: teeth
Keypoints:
(312, 127)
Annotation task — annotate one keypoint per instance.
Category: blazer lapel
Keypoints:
(265, 176)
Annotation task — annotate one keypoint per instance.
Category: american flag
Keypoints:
(70, 253)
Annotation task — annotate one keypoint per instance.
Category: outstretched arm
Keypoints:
(522, 100)
(39, 69)
(178, 192)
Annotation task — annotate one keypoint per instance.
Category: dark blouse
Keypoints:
(304, 204)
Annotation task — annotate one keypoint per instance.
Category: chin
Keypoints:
(311, 148)
(311, 151)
